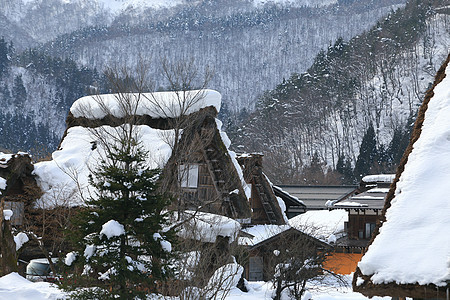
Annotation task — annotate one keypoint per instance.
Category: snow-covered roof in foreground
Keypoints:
(78, 155)
(413, 245)
(155, 105)
(324, 225)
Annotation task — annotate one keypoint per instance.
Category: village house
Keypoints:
(200, 171)
(408, 255)
(313, 231)
(364, 209)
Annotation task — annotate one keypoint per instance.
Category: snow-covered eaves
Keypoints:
(292, 200)
(156, 105)
(325, 226)
(371, 199)
(386, 178)
(410, 252)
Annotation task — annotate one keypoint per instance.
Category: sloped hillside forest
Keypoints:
(328, 91)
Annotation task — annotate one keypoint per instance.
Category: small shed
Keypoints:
(263, 255)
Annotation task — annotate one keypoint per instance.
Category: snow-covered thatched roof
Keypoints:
(155, 105)
(410, 253)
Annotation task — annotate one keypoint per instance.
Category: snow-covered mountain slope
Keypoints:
(250, 47)
(377, 78)
(36, 93)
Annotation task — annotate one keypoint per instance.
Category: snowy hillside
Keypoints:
(44, 20)
(250, 47)
(250, 44)
(378, 78)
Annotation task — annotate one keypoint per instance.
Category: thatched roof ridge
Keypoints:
(362, 283)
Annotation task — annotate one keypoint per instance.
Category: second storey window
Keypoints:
(188, 176)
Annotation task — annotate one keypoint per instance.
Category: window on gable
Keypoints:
(188, 175)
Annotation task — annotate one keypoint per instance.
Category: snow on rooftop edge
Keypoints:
(261, 233)
(156, 105)
(413, 245)
(388, 178)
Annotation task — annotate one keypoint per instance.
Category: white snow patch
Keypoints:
(20, 239)
(15, 287)
(353, 203)
(378, 190)
(224, 278)
(206, 227)
(112, 228)
(67, 174)
(7, 214)
(283, 209)
(261, 233)
(2, 184)
(359, 281)
(89, 251)
(166, 245)
(70, 258)
(387, 178)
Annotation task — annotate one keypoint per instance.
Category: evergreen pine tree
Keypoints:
(344, 168)
(122, 247)
(4, 59)
(314, 174)
(399, 142)
(367, 154)
(19, 92)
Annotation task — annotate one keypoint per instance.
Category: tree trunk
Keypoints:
(7, 244)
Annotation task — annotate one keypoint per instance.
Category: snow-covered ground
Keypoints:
(15, 287)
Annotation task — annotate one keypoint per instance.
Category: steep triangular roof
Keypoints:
(66, 176)
(409, 255)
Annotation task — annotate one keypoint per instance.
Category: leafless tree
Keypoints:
(206, 261)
